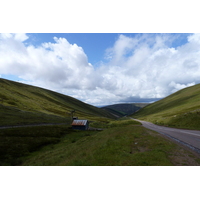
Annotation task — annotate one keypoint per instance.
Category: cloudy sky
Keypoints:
(104, 68)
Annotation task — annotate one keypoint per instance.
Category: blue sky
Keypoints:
(103, 68)
(93, 44)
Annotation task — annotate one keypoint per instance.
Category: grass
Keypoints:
(25, 104)
(10, 116)
(180, 110)
(18, 142)
(122, 142)
(124, 145)
(108, 123)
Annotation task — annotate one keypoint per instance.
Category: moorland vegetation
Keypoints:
(122, 142)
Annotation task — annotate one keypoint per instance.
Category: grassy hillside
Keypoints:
(25, 104)
(181, 109)
(121, 110)
(121, 142)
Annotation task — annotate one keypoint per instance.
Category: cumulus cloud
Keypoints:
(138, 69)
(52, 65)
(154, 69)
(17, 36)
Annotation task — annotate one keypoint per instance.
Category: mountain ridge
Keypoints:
(124, 109)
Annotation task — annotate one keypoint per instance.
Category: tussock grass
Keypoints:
(18, 142)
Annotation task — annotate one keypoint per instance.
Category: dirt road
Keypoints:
(190, 138)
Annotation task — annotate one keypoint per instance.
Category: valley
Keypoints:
(120, 110)
(38, 129)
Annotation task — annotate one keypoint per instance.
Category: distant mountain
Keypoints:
(121, 110)
(25, 104)
(181, 109)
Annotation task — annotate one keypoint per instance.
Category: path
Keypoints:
(31, 125)
(190, 138)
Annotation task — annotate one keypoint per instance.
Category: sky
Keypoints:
(103, 68)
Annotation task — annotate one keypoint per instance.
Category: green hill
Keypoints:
(121, 110)
(121, 142)
(181, 109)
(25, 104)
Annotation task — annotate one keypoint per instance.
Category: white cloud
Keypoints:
(51, 65)
(17, 36)
(141, 68)
(178, 86)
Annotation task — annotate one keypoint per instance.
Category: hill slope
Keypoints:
(25, 104)
(181, 109)
(121, 110)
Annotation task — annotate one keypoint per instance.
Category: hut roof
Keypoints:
(79, 122)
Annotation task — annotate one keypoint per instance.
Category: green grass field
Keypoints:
(14, 116)
(122, 143)
(180, 110)
(25, 104)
